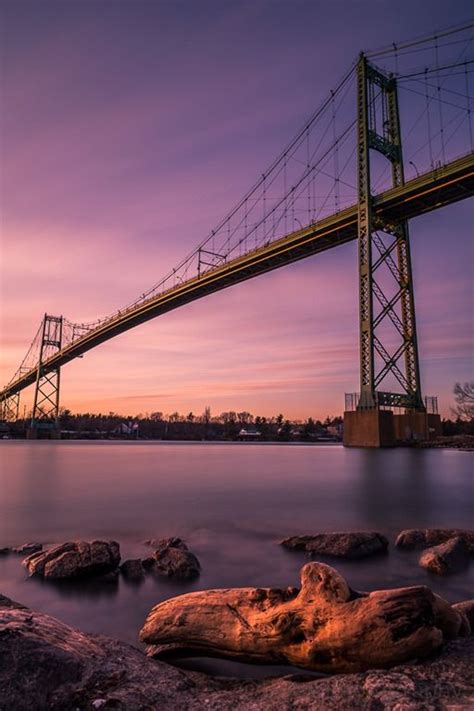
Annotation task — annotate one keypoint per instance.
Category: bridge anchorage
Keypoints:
(386, 300)
(306, 203)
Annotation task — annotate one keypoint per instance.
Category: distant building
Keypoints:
(335, 430)
(249, 433)
(4, 430)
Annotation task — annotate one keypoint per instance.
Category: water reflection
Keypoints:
(395, 483)
(103, 587)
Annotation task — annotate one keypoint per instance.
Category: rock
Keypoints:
(132, 569)
(75, 559)
(452, 623)
(22, 550)
(92, 671)
(176, 563)
(412, 538)
(446, 558)
(322, 627)
(173, 559)
(353, 545)
(49, 666)
(467, 608)
(148, 563)
(161, 543)
(28, 548)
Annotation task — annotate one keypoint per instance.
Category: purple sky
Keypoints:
(128, 130)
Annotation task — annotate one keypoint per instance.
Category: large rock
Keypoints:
(76, 559)
(49, 666)
(359, 544)
(413, 538)
(323, 627)
(173, 559)
(449, 557)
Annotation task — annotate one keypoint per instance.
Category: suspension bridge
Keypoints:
(407, 151)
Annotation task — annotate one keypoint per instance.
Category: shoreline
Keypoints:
(89, 671)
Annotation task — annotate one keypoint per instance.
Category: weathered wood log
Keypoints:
(324, 626)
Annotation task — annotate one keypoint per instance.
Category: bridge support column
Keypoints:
(388, 342)
(10, 408)
(45, 416)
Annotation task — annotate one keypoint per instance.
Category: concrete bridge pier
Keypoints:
(43, 432)
(384, 428)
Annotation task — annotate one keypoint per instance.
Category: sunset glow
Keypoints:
(119, 153)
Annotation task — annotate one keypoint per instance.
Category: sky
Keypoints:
(128, 128)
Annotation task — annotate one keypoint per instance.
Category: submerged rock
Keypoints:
(76, 559)
(413, 538)
(92, 671)
(353, 545)
(321, 627)
(449, 557)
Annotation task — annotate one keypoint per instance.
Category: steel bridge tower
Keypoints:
(45, 415)
(10, 408)
(387, 322)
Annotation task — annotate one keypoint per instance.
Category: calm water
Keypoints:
(232, 503)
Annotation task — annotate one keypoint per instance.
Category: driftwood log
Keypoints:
(324, 626)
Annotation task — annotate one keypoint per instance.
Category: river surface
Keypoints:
(231, 503)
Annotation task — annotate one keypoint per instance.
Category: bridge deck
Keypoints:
(427, 192)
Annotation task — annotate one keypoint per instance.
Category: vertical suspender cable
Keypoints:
(308, 166)
(468, 99)
(336, 153)
(428, 117)
(440, 105)
(246, 215)
(264, 210)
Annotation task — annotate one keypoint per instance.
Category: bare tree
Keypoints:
(464, 397)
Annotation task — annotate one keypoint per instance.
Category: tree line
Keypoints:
(226, 425)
